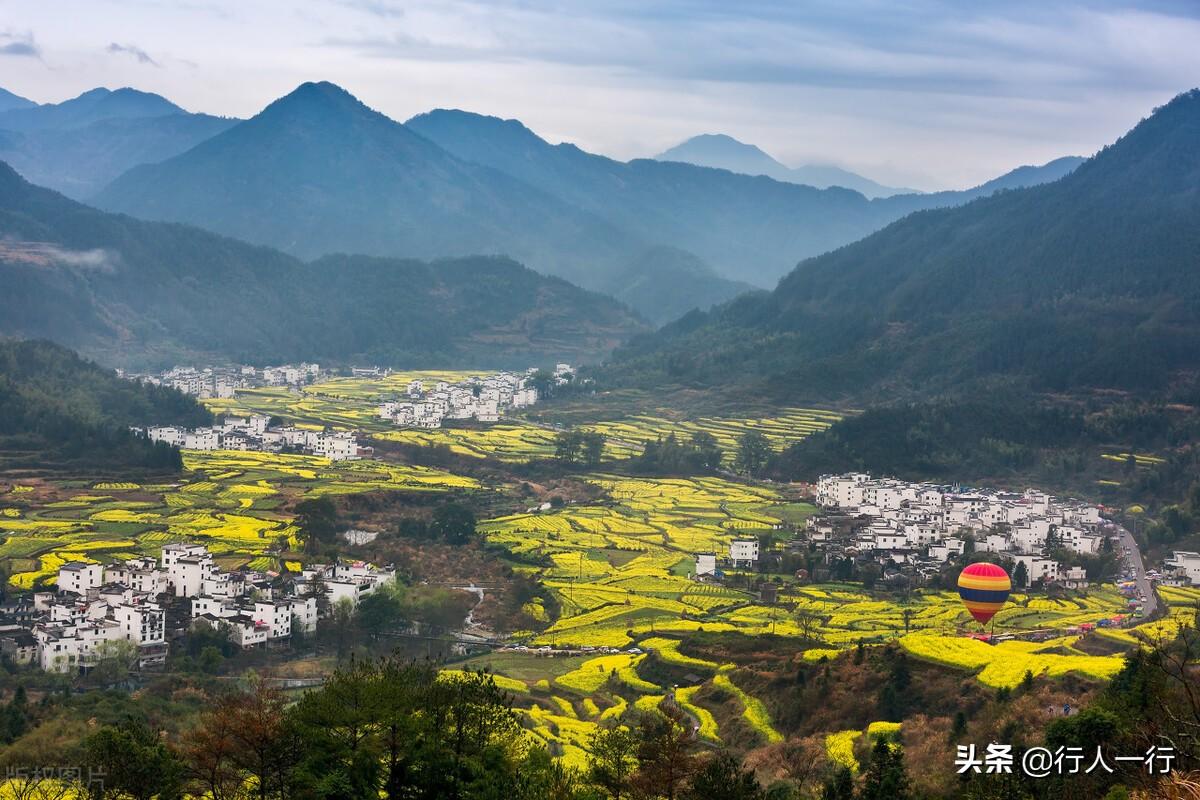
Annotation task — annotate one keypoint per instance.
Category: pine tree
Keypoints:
(885, 778)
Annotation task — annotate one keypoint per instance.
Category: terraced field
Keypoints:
(514, 441)
(619, 573)
(230, 503)
(352, 402)
(619, 570)
(338, 402)
(786, 428)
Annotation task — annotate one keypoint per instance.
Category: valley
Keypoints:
(504, 401)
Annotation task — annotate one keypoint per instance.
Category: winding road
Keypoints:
(1133, 556)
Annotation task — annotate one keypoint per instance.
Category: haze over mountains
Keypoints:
(9, 101)
(448, 183)
(79, 145)
(1090, 281)
(724, 152)
(146, 293)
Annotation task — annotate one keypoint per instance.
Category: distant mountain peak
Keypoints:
(318, 94)
(446, 121)
(10, 101)
(91, 106)
(722, 151)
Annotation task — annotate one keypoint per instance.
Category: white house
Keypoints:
(78, 577)
(743, 552)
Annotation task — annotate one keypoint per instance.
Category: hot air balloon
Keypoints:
(984, 589)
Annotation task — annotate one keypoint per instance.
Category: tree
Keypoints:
(568, 445)
(722, 778)
(1052, 539)
(453, 523)
(1020, 575)
(708, 451)
(114, 659)
(543, 777)
(807, 621)
(378, 612)
(885, 778)
(664, 754)
(612, 760)
(752, 453)
(134, 762)
(252, 729)
(317, 520)
(839, 785)
(592, 448)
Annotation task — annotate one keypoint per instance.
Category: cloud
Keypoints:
(376, 8)
(19, 45)
(97, 260)
(128, 49)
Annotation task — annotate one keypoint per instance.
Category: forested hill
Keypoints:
(59, 410)
(144, 293)
(1091, 281)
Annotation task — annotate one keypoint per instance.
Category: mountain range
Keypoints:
(10, 101)
(147, 293)
(724, 152)
(447, 183)
(80, 145)
(1089, 281)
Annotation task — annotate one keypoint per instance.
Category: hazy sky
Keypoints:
(920, 93)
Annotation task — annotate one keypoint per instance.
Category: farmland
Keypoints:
(351, 403)
(618, 569)
(231, 501)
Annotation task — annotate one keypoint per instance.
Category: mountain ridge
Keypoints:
(1087, 281)
(148, 293)
(725, 152)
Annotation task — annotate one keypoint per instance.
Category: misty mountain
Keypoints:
(749, 228)
(664, 283)
(146, 293)
(10, 101)
(318, 172)
(724, 152)
(1089, 281)
(91, 106)
(79, 146)
(1029, 175)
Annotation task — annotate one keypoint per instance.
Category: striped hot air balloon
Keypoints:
(984, 589)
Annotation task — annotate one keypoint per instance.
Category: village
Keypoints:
(98, 610)
(917, 527)
(223, 382)
(254, 432)
(484, 399)
(480, 398)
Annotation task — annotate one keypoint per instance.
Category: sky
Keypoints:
(914, 93)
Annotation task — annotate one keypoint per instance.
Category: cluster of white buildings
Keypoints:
(95, 609)
(925, 524)
(254, 433)
(1181, 568)
(485, 399)
(208, 382)
(95, 604)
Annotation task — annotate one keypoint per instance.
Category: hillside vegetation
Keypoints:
(1088, 282)
(59, 411)
(130, 292)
